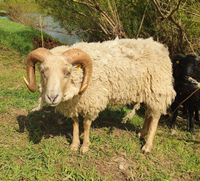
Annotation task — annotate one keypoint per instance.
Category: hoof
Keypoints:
(74, 147)
(146, 149)
(38, 108)
(192, 132)
(84, 149)
(141, 134)
(125, 120)
(173, 131)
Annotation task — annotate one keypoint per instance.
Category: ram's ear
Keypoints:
(179, 57)
(77, 56)
(78, 66)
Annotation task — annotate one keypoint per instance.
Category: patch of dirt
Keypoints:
(48, 43)
(118, 167)
(12, 115)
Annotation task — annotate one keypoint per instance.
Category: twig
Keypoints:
(190, 44)
(109, 24)
(171, 18)
(197, 89)
(41, 31)
(170, 14)
(175, 9)
(141, 23)
(192, 13)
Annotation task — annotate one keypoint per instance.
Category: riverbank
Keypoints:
(23, 38)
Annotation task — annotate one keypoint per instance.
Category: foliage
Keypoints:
(175, 23)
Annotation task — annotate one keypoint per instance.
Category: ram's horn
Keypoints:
(77, 56)
(37, 55)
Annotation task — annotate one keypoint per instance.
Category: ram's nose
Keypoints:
(52, 98)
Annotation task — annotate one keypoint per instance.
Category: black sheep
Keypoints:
(188, 92)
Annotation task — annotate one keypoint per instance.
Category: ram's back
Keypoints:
(126, 71)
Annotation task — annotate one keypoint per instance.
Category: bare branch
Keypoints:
(141, 23)
(175, 9)
(109, 24)
(155, 2)
(190, 44)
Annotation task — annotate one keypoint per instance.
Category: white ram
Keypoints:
(84, 78)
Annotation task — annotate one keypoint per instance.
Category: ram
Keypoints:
(86, 77)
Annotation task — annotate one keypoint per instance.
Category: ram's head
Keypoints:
(57, 73)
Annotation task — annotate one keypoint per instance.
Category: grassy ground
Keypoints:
(22, 38)
(35, 146)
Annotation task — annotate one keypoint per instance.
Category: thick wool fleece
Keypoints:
(124, 71)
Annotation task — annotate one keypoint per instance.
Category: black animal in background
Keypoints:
(185, 68)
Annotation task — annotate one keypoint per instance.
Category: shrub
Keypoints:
(175, 23)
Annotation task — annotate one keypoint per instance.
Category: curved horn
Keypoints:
(77, 56)
(35, 56)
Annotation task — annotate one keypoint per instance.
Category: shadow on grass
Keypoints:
(112, 118)
(46, 123)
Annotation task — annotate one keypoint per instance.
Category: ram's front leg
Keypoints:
(41, 101)
(86, 135)
(75, 139)
(39, 106)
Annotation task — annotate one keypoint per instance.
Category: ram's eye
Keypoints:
(66, 73)
(42, 71)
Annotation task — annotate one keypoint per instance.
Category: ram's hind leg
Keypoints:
(143, 132)
(130, 115)
(86, 135)
(191, 119)
(75, 140)
(153, 119)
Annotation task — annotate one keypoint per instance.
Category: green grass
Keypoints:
(20, 37)
(17, 36)
(35, 146)
(13, 93)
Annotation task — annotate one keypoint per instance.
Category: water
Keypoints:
(4, 17)
(52, 28)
